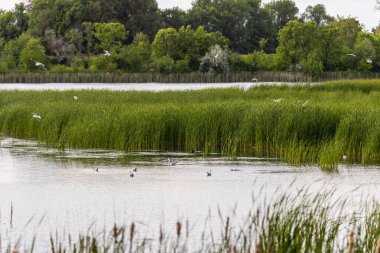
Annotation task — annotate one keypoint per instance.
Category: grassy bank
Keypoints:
(304, 223)
(196, 77)
(309, 124)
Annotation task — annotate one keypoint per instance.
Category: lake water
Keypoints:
(133, 86)
(60, 191)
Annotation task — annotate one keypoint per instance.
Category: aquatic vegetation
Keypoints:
(193, 77)
(300, 222)
(316, 123)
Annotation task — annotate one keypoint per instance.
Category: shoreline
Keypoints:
(193, 77)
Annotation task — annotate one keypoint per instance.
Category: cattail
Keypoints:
(378, 246)
(226, 228)
(131, 235)
(257, 248)
(187, 228)
(179, 225)
(161, 238)
(11, 221)
(52, 244)
(131, 232)
(351, 242)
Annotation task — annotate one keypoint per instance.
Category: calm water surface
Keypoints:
(59, 191)
(132, 86)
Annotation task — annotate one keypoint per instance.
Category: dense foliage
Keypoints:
(138, 37)
(299, 124)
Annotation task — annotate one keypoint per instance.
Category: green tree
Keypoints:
(243, 22)
(166, 43)
(135, 57)
(348, 30)
(365, 53)
(13, 48)
(332, 49)
(296, 41)
(33, 52)
(282, 11)
(76, 39)
(313, 64)
(317, 14)
(110, 34)
(173, 17)
(185, 43)
(22, 18)
(8, 29)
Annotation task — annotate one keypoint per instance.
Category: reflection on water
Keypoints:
(65, 189)
(131, 86)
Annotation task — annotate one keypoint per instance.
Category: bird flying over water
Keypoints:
(39, 64)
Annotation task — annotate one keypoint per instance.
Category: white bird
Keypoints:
(39, 64)
(304, 104)
(344, 157)
(278, 100)
(107, 53)
(369, 61)
(36, 116)
(254, 80)
(217, 55)
(171, 162)
(75, 98)
(353, 55)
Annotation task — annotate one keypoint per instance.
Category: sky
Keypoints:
(364, 10)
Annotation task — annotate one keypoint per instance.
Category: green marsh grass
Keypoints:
(313, 124)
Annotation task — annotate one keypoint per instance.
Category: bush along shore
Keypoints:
(195, 77)
(304, 223)
(317, 124)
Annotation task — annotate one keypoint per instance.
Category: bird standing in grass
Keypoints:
(75, 98)
(278, 100)
(36, 117)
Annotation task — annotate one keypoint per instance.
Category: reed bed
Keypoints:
(195, 77)
(301, 222)
(316, 124)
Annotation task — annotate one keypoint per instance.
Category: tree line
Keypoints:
(212, 36)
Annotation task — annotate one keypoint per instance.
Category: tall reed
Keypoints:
(300, 222)
(195, 77)
(311, 124)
